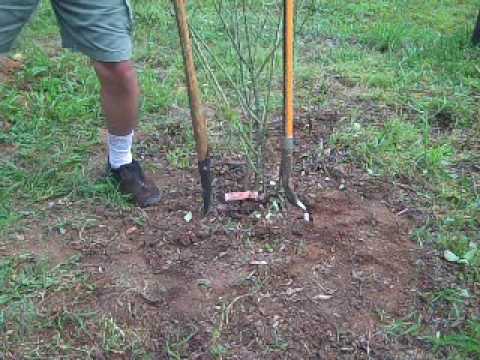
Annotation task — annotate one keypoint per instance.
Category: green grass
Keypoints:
(398, 149)
(25, 281)
(465, 343)
(421, 62)
(427, 69)
(52, 303)
(56, 128)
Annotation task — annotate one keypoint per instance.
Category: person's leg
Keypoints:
(120, 94)
(102, 31)
(14, 15)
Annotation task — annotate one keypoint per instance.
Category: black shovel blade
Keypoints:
(205, 170)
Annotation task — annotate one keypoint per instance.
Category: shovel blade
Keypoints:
(205, 170)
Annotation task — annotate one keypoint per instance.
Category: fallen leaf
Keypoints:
(188, 216)
(306, 217)
(450, 256)
(18, 57)
(291, 291)
(322, 297)
(258, 262)
(131, 230)
(204, 283)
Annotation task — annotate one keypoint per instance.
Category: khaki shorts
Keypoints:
(101, 29)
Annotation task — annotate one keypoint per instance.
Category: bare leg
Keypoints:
(120, 94)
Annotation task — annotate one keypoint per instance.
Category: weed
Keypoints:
(177, 345)
(462, 344)
(116, 340)
(411, 325)
(179, 158)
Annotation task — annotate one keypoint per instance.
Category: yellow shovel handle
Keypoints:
(288, 64)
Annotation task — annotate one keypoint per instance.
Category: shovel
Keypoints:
(288, 105)
(198, 120)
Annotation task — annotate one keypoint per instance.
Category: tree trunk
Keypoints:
(476, 32)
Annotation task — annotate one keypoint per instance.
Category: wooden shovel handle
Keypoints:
(198, 120)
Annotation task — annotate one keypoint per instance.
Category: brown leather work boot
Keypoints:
(133, 182)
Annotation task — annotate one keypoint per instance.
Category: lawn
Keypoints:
(387, 97)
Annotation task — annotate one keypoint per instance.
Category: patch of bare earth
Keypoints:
(243, 285)
(317, 294)
(8, 68)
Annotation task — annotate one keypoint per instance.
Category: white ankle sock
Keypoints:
(119, 150)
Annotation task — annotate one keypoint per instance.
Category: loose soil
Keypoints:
(8, 68)
(251, 279)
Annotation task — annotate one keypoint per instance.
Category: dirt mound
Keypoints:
(252, 284)
(360, 252)
(337, 276)
(248, 281)
(279, 284)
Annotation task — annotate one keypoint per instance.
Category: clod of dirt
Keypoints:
(5, 126)
(8, 67)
